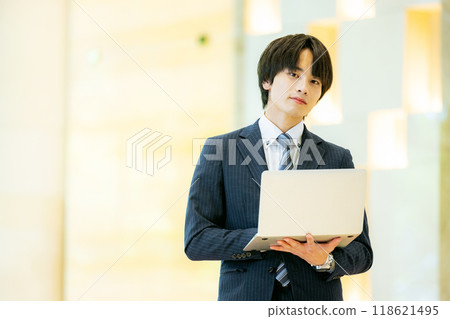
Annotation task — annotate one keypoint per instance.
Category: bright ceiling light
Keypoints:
(262, 17)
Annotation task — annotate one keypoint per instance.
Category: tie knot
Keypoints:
(285, 140)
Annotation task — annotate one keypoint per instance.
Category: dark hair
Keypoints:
(283, 53)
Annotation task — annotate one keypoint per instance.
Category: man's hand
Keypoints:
(311, 252)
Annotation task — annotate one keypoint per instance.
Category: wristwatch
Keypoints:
(328, 266)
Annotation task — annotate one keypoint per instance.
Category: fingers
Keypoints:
(309, 239)
(325, 247)
(336, 241)
(332, 244)
(286, 245)
(276, 247)
(289, 244)
(292, 242)
(280, 248)
(310, 246)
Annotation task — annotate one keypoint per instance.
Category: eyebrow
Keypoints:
(296, 68)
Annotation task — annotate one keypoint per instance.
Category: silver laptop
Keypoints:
(325, 203)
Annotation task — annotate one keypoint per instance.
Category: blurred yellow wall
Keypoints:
(111, 98)
(32, 107)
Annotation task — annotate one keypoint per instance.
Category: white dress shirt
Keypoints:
(273, 150)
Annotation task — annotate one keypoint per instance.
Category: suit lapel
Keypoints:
(311, 151)
(252, 151)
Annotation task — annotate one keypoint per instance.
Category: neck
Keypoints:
(282, 121)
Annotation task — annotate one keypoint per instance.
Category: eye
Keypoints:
(315, 82)
(293, 74)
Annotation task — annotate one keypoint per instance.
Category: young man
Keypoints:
(222, 212)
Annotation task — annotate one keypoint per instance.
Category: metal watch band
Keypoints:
(327, 266)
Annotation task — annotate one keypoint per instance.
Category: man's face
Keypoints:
(294, 93)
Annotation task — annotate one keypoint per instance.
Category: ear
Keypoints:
(266, 85)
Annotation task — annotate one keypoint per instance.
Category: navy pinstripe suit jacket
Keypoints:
(222, 217)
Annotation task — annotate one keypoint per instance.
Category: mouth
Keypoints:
(298, 100)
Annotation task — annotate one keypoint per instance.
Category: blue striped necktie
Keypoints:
(286, 142)
(286, 163)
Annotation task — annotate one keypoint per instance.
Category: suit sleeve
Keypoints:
(205, 237)
(356, 257)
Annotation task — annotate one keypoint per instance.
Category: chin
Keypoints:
(297, 115)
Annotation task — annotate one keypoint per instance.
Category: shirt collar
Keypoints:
(270, 132)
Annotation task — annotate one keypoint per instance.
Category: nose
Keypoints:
(300, 85)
